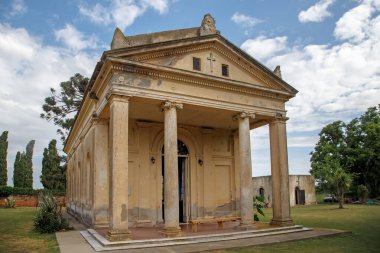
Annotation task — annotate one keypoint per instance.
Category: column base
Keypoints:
(118, 235)
(282, 223)
(171, 232)
(246, 227)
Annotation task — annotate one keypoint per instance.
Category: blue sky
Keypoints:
(328, 49)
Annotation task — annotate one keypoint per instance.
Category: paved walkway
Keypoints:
(72, 241)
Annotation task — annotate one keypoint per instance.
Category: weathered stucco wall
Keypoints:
(304, 182)
(213, 180)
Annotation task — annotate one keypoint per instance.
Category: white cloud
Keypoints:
(74, 39)
(335, 82)
(262, 48)
(302, 142)
(122, 12)
(18, 8)
(27, 69)
(316, 13)
(245, 20)
(98, 14)
(356, 24)
(161, 6)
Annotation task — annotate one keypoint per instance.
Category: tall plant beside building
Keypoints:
(3, 158)
(52, 177)
(23, 167)
(29, 164)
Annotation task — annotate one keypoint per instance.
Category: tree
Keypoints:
(23, 167)
(363, 150)
(62, 107)
(340, 182)
(351, 153)
(53, 177)
(29, 164)
(3, 158)
(18, 169)
(328, 154)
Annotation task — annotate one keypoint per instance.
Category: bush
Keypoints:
(6, 191)
(49, 217)
(363, 192)
(258, 204)
(10, 202)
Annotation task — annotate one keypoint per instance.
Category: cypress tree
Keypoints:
(28, 183)
(17, 171)
(23, 168)
(52, 176)
(3, 158)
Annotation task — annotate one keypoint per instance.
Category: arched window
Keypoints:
(262, 192)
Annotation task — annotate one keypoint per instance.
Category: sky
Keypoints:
(329, 50)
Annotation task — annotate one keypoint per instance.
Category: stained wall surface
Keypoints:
(212, 181)
(303, 182)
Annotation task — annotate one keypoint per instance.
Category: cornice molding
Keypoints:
(179, 76)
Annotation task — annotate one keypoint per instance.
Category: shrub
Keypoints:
(258, 204)
(6, 191)
(363, 192)
(10, 202)
(49, 217)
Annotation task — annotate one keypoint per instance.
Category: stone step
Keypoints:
(99, 243)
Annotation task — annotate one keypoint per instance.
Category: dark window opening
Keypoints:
(262, 192)
(225, 70)
(196, 63)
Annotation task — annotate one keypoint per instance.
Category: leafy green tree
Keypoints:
(29, 164)
(18, 170)
(62, 107)
(352, 148)
(23, 167)
(3, 158)
(328, 154)
(53, 177)
(363, 150)
(339, 182)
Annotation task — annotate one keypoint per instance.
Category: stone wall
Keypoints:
(303, 182)
(29, 201)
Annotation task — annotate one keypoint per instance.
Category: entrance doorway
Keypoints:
(183, 182)
(299, 196)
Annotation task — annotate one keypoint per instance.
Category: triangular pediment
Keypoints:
(212, 54)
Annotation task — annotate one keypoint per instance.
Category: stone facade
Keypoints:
(162, 135)
(297, 183)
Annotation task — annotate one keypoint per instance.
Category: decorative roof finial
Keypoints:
(277, 71)
(118, 40)
(208, 25)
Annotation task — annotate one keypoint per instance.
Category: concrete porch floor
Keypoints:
(208, 238)
(144, 233)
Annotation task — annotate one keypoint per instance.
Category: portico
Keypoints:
(158, 94)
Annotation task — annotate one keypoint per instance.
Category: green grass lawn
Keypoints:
(17, 235)
(362, 220)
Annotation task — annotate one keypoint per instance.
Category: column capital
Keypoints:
(243, 115)
(96, 120)
(171, 104)
(279, 118)
(111, 97)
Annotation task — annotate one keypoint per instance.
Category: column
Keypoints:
(246, 191)
(118, 150)
(100, 185)
(280, 173)
(171, 226)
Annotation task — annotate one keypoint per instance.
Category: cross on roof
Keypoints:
(211, 59)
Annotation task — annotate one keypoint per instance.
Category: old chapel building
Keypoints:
(163, 134)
